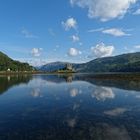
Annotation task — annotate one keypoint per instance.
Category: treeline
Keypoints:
(121, 63)
(7, 64)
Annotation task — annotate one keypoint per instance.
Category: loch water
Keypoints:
(69, 107)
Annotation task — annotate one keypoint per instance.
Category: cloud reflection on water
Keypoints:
(109, 132)
(103, 93)
(116, 111)
(36, 92)
(77, 109)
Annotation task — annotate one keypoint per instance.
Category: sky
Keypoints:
(44, 31)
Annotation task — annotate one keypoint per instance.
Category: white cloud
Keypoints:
(38, 62)
(101, 50)
(70, 23)
(115, 32)
(36, 52)
(137, 12)
(137, 47)
(75, 38)
(95, 30)
(28, 34)
(74, 52)
(35, 61)
(111, 31)
(104, 9)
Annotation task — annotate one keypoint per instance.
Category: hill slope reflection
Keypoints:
(123, 83)
(7, 82)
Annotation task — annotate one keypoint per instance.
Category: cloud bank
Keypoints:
(105, 9)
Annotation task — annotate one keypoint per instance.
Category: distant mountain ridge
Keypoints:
(122, 63)
(54, 66)
(8, 63)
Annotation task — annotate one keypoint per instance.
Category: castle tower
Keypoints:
(69, 66)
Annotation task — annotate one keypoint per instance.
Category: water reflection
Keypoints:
(36, 93)
(108, 132)
(76, 106)
(74, 92)
(103, 93)
(41, 107)
(116, 111)
(7, 82)
(71, 122)
(127, 84)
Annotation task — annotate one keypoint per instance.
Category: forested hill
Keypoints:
(8, 63)
(122, 63)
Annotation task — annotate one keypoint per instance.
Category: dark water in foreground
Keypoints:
(52, 107)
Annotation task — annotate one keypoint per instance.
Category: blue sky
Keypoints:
(43, 31)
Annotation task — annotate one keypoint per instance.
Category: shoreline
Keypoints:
(106, 75)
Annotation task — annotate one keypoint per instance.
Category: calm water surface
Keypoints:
(60, 107)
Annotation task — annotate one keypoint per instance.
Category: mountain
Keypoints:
(8, 63)
(121, 63)
(50, 67)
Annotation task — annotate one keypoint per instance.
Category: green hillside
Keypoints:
(121, 63)
(8, 63)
